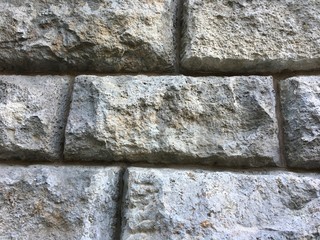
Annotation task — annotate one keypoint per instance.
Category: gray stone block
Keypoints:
(196, 204)
(63, 202)
(300, 97)
(95, 36)
(33, 113)
(240, 36)
(225, 121)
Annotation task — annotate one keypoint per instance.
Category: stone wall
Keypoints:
(164, 119)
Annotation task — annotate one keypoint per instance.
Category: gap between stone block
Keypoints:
(178, 34)
(276, 87)
(120, 209)
(66, 115)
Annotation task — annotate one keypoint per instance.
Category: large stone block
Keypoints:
(300, 97)
(250, 36)
(33, 114)
(65, 202)
(196, 204)
(228, 121)
(96, 36)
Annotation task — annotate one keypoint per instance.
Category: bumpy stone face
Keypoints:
(226, 121)
(33, 116)
(177, 204)
(100, 36)
(300, 98)
(43, 202)
(250, 36)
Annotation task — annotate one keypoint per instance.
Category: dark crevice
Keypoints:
(283, 74)
(178, 34)
(181, 166)
(279, 120)
(197, 167)
(120, 209)
(66, 114)
(87, 72)
(280, 75)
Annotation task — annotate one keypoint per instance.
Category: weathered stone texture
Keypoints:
(99, 36)
(196, 204)
(250, 36)
(33, 114)
(227, 121)
(46, 202)
(300, 97)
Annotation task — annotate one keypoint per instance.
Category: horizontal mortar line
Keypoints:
(89, 73)
(284, 74)
(185, 167)
(222, 169)
(26, 163)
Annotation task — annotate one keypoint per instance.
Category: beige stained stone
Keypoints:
(33, 114)
(197, 204)
(62, 202)
(87, 36)
(224, 121)
(300, 97)
(258, 36)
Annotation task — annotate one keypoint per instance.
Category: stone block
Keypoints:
(82, 36)
(197, 204)
(224, 121)
(241, 36)
(300, 98)
(33, 114)
(63, 202)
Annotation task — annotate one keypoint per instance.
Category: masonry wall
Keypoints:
(164, 119)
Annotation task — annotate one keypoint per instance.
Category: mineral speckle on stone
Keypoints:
(197, 204)
(95, 36)
(33, 112)
(65, 202)
(300, 97)
(225, 121)
(241, 36)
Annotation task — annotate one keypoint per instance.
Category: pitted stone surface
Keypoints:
(196, 204)
(47, 202)
(96, 36)
(33, 113)
(250, 36)
(227, 121)
(300, 98)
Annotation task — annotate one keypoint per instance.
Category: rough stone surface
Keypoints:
(300, 98)
(98, 36)
(227, 121)
(33, 116)
(46, 202)
(250, 35)
(195, 204)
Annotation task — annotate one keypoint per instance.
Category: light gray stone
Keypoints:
(242, 36)
(197, 204)
(300, 97)
(227, 121)
(64, 202)
(83, 35)
(33, 114)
